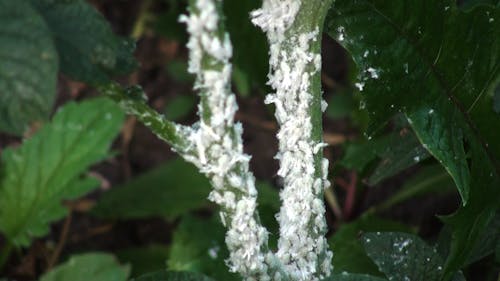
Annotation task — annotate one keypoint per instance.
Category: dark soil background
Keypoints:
(138, 151)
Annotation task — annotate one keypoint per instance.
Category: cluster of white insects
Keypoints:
(214, 144)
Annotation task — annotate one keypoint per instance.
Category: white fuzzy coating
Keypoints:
(302, 247)
(215, 144)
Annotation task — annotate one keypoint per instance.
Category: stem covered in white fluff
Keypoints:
(293, 28)
(216, 144)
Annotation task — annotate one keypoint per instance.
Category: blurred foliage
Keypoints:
(90, 266)
(145, 259)
(170, 190)
(38, 38)
(172, 276)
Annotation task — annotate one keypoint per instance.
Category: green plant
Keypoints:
(427, 77)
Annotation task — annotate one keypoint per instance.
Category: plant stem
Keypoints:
(294, 31)
(133, 101)
(142, 20)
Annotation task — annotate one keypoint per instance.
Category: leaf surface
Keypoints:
(28, 68)
(169, 190)
(48, 167)
(173, 276)
(349, 253)
(438, 65)
(403, 256)
(89, 50)
(353, 277)
(91, 266)
(198, 246)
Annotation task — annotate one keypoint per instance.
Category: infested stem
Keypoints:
(294, 30)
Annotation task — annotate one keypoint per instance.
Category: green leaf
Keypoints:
(445, 61)
(397, 151)
(144, 259)
(250, 44)
(352, 277)
(198, 246)
(92, 266)
(173, 276)
(431, 179)
(28, 68)
(169, 190)
(403, 151)
(497, 252)
(349, 253)
(88, 48)
(496, 100)
(47, 168)
(179, 107)
(178, 70)
(340, 105)
(403, 256)
(468, 4)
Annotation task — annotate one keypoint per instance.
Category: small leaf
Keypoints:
(198, 246)
(28, 68)
(88, 48)
(403, 256)
(173, 276)
(352, 277)
(92, 266)
(169, 190)
(47, 168)
(349, 253)
(144, 259)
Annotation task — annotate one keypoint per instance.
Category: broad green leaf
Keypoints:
(438, 65)
(403, 152)
(28, 68)
(47, 168)
(89, 50)
(403, 256)
(173, 276)
(487, 242)
(169, 190)
(352, 277)
(144, 259)
(431, 179)
(396, 151)
(349, 253)
(85, 267)
(198, 246)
